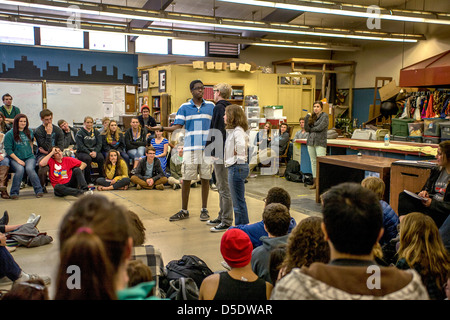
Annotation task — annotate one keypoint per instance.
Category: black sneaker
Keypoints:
(214, 222)
(220, 227)
(180, 215)
(204, 215)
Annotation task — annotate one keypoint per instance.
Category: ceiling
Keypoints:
(219, 13)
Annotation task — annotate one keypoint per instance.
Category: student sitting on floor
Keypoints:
(256, 230)
(149, 173)
(65, 174)
(116, 172)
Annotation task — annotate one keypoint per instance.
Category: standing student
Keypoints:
(47, 136)
(116, 173)
(65, 174)
(236, 154)
(161, 145)
(222, 91)
(149, 173)
(317, 126)
(113, 139)
(135, 141)
(195, 116)
(8, 110)
(89, 147)
(19, 147)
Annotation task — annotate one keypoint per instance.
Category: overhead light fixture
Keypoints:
(123, 28)
(114, 11)
(352, 10)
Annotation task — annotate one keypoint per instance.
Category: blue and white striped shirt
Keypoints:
(196, 122)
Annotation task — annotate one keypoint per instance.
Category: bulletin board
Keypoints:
(73, 102)
(27, 96)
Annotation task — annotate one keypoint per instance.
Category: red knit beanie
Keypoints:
(145, 106)
(236, 248)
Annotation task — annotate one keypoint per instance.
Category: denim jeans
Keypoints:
(225, 201)
(237, 174)
(5, 162)
(8, 267)
(136, 154)
(30, 169)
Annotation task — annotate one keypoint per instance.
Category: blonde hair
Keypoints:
(421, 245)
(224, 90)
(374, 184)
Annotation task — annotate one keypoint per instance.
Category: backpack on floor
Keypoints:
(189, 266)
(292, 172)
(183, 289)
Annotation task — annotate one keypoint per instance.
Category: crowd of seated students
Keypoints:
(116, 154)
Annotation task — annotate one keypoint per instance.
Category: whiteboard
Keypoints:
(27, 96)
(73, 102)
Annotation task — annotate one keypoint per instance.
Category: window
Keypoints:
(15, 33)
(150, 44)
(107, 41)
(62, 37)
(188, 47)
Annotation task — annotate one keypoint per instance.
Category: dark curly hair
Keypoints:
(306, 245)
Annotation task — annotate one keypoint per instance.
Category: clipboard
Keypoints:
(414, 195)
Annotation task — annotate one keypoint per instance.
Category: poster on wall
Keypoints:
(144, 80)
(162, 81)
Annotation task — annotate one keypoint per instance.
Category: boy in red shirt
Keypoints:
(66, 174)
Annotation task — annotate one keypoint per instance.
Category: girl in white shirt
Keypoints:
(236, 155)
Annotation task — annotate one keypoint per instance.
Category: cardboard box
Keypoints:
(233, 66)
(210, 65)
(221, 65)
(388, 91)
(198, 64)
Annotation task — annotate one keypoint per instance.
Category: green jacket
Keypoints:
(141, 291)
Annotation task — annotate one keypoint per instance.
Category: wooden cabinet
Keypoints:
(407, 177)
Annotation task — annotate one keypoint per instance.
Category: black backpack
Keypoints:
(183, 289)
(189, 266)
(292, 172)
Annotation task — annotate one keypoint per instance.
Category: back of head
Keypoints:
(224, 90)
(278, 195)
(33, 289)
(375, 184)
(236, 248)
(138, 272)
(93, 236)
(276, 219)
(137, 229)
(352, 217)
(421, 244)
(306, 245)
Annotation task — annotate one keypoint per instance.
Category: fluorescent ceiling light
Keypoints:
(203, 21)
(345, 10)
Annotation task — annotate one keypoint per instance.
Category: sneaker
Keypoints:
(159, 187)
(176, 186)
(180, 215)
(36, 221)
(213, 187)
(88, 192)
(253, 176)
(26, 277)
(5, 219)
(138, 187)
(220, 227)
(204, 215)
(22, 185)
(214, 222)
(39, 195)
(31, 218)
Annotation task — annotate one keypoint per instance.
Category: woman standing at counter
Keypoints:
(317, 126)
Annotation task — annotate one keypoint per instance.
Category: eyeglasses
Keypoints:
(199, 88)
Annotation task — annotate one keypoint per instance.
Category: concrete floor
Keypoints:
(174, 239)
